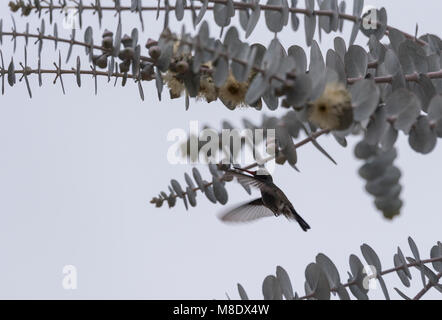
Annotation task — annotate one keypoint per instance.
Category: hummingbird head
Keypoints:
(261, 173)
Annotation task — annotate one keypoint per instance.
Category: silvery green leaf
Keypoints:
(377, 49)
(309, 22)
(159, 83)
(202, 11)
(214, 169)
(424, 89)
(363, 150)
(208, 190)
(328, 23)
(396, 38)
(412, 57)
(191, 195)
(329, 269)
(435, 109)
(357, 275)
(400, 272)
(335, 64)
(365, 98)
(342, 8)
(242, 292)
(383, 184)
(404, 262)
(372, 259)
(300, 57)
(271, 289)
(240, 70)
(285, 283)
(317, 72)
(254, 18)
(231, 40)
(274, 18)
(340, 47)
(356, 61)
(436, 252)
(244, 16)
(422, 137)
(312, 276)
(272, 57)
(403, 295)
(11, 73)
(220, 191)
(179, 9)
(295, 19)
(256, 89)
(376, 127)
(270, 99)
(197, 176)
(189, 181)
(223, 12)
(177, 188)
(317, 282)
(389, 138)
(166, 54)
(221, 71)
(302, 90)
(416, 255)
(432, 277)
(358, 5)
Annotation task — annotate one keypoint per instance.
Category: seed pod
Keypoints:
(126, 54)
(150, 43)
(182, 67)
(148, 73)
(101, 62)
(155, 52)
(107, 42)
(124, 66)
(126, 41)
(107, 33)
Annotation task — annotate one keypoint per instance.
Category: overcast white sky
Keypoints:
(77, 173)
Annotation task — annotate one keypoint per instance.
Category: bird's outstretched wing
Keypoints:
(247, 212)
(246, 180)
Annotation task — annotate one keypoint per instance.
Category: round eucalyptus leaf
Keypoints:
(219, 191)
(274, 18)
(285, 283)
(422, 137)
(242, 292)
(356, 61)
(365, 98)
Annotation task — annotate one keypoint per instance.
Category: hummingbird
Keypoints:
(273, 201)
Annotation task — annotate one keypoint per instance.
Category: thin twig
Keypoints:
(425, 289)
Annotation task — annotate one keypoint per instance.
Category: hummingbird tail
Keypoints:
(304, 225)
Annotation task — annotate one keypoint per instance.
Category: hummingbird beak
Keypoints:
(245, 170)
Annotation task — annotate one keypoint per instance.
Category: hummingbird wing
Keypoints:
(246, 180)
(250, 211)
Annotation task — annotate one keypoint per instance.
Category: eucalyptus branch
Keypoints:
(225, 176)
(322, 276)
(236, 4)
(387, 271)
(14, 34)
